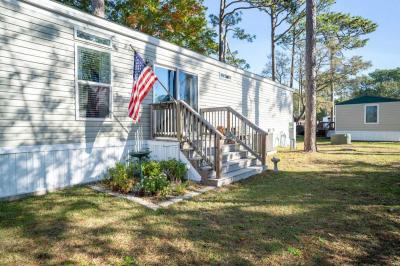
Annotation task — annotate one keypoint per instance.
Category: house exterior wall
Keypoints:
(350, 119)
(37, 88)
(42, 168)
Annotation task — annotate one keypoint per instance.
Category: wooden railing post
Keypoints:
(228, 120)
(152, 122)
(264, 149)
(218, 156)
(178, 121)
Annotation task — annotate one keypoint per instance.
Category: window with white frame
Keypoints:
(93, 78)
(371, 114)
(88, 37)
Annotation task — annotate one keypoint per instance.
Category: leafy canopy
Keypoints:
(383, 82)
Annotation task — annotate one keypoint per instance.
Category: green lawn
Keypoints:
(338, 206)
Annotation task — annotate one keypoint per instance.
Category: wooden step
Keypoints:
(235, 176)
(230, 156)
(238, 164)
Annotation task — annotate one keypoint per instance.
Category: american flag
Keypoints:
(143, 80)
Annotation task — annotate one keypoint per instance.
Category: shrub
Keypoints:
(175, 170)
(120, 178)
(151, 168)
(155, 184)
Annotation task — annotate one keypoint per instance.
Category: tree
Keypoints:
(310, 144)
(233, 59)
(98, 8)
(84, 5)
(280, 11)
(381, 82)
(229, 16)
(182, 22)
(339, 32)
(282, 68)
(294, 38)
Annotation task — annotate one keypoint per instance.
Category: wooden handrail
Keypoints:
(179, 120)
(245, 132)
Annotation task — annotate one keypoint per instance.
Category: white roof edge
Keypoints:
(128, 32)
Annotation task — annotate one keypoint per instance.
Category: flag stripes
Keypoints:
(143, 80)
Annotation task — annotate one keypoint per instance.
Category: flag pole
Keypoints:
(162, 85)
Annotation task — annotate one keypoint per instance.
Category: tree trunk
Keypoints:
(221, 32)
(332, 87)
(98, 8)
(292, 57)
(310, 144)
(273, 64)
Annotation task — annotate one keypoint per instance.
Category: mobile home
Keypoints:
(369, 118)
(65, 83)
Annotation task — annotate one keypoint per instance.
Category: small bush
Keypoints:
(151, 168)
(120, 178)
(155, 184)
(175, 170)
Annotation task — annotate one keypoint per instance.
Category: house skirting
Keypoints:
(372, 135)
(39, 169)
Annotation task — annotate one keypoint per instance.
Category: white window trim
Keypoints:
(90, 31)
(77, 82)
(377, 114)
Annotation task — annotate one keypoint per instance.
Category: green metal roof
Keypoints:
(369, 99)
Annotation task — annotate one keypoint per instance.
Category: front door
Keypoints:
(188, 89)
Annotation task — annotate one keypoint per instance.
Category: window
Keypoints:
(181, 85)
(93, 83)
(168, 78)
(79, 34)
(371, 114)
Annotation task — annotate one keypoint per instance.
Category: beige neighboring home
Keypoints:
(369, 118)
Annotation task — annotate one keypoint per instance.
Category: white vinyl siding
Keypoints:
(351, 117)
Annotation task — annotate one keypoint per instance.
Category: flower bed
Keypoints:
(161, 180)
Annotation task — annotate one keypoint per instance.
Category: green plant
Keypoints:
(294, 251)
(151, 168)
(155, 184)
(180, 189)
(175, 170)
(120, 178)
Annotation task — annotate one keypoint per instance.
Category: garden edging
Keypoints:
(149, 204)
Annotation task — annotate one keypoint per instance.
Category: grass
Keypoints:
(338, 206)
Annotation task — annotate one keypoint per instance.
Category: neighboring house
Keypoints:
(65, 82)
(369, 118)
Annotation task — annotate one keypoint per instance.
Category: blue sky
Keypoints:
(383, 49)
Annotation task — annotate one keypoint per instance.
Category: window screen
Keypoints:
(92, 38)
(94, 83)
(371, 114)
(94, 65)
(94, 101)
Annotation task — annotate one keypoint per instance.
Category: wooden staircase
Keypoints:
(235, 151)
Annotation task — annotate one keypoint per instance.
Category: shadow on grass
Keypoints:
(248, 223)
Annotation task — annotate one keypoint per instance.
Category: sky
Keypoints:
(383, 49)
